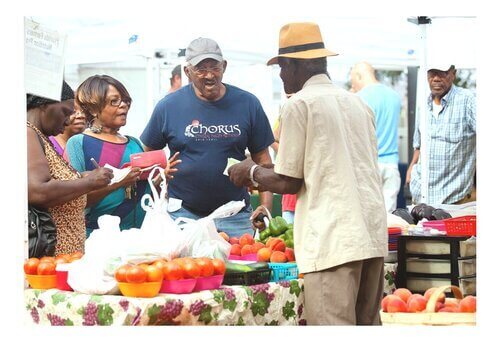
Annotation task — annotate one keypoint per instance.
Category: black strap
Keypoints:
(303, 47)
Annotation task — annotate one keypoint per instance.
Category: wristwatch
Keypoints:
(252, 170)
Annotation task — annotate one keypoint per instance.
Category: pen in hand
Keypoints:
(94, 163)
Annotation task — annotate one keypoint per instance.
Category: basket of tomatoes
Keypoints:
(187, 274)
(47, 272)
(143, 280)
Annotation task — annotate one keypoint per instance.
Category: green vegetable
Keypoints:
(289, 243)
(259, 265)
(278, 226)
(236, 268)
(289, 234)
(263, 235)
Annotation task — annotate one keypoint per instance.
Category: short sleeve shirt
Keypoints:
(328, 139)
(206, 134)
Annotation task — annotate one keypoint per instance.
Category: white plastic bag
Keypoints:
(202, 238)
(159, 236)
(107, 247)
(92, 274)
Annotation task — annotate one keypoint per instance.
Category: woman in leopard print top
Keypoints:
(52, 183)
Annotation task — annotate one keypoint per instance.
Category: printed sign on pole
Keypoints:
(43, 60)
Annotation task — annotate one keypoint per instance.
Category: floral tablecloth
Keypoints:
(280, 303)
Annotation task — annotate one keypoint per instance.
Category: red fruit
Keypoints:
(31, 265)
(417, 303)
(290, 254)
(264, 254)
(278, 256)
(429, 292)
(449, 309)
(191, 269)
(438, 306)
(62, 259)
(121, 273)
(136, 274)
(385, 300)
(206, 266)
(247, 249)
(172, 271)
(468, 304)
(219, 266)
(235, 249)
(257, 246)
(396, 305)
(153, 274)
(46, 268)
(403, 293)
(246, 239)
(234, 240)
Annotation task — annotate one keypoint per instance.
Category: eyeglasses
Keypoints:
(204, 71)
(117, 102)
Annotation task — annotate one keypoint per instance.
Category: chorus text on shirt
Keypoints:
(199, 131)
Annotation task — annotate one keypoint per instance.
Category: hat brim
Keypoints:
(440, 67)
(309, 54)
(195, 60)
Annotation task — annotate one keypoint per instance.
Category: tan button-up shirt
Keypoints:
(328, 140)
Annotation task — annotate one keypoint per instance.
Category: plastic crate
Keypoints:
(461, 226)
(247, 278)
(283, 271)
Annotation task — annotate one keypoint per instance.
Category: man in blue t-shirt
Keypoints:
(386, 105)
(208, 121)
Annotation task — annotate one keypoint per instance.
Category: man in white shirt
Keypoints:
(328, 157)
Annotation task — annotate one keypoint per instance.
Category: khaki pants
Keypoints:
(347, 294)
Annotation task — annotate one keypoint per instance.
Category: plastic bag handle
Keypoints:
(163, 184)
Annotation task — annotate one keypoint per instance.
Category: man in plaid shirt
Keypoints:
(451, 129)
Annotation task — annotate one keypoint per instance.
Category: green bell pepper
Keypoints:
(264, 234)
(289, 243)
(278, 225)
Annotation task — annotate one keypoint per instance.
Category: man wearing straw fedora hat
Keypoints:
(328, 157)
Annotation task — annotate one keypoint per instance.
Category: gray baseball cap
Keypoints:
(203, 48)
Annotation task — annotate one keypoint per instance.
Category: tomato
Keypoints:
(191, 269)
(144, 266)
(62, 259)
(154, 274)
(46, 268)
(159, 263)
(219, 266)
(31, 265)
(121, 273)
(48, 258)
(136, 274)
(172, 271)
(206, 266)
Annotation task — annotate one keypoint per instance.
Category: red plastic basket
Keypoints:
(461, 226)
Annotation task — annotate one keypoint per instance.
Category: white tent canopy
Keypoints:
(125, 48)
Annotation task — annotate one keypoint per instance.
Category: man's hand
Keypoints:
(259, 224)
(239, 173)
(171, 166)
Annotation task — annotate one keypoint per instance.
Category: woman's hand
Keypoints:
(171, 166)
(99, 178)
(131, 178)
